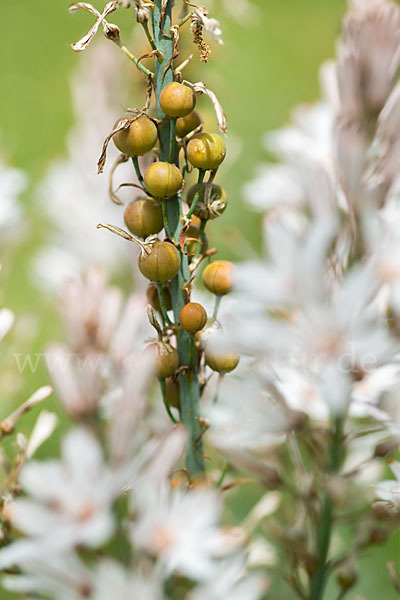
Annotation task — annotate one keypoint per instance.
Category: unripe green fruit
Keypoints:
(193, 317)
(173, 392)
(216, 204)
(206, 151)
(222, 363)
(185, 125)
(138, 139)
(177, 100)
(143, 217)
(217, 277)
(163, 179)
(154, 299)
(161, 264)
(166, 357)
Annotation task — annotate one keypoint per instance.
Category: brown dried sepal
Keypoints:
(201, 88)
(110, 31)
(120, 125)
(122, 158)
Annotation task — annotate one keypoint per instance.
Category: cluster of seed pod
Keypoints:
(146, 217)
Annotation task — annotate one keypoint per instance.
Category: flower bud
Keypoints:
(387, 447)
(346, 577)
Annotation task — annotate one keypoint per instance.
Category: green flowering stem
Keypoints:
(138, 171)
(139, 65)
(172, 140)
(164, 396)
(164, 205)
(217, 303)
(188, 381)
(324, 532)
(197, 194)
(164, 312)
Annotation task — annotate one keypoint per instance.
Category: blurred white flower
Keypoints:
(12, 183)
(72, 196)
(231, 581)
(63, 577)
(111, 580)
(70, 502)
(389, 490)
(181, 529)
(247, 424)
(106, 343)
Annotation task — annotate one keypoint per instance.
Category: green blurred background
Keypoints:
(262, 71)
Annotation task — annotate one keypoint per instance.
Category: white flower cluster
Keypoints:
(314, 312)
(319, 316)
(70, 507)
(120, 453)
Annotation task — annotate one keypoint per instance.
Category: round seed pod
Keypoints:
(193, 317)
(166, 357)
(143, 217)
(153, 297)
(217, 277)
(206, 151)
(163, 179)
(217, 201)
(185, 125)
(177, 100)
(192, 246)
(138, 139)
(161, 264)
(195, 221)
(173, 392)
(222, 363)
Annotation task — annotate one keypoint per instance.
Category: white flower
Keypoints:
(231, 581)
(254, 425)
(181, 528)
(70, 501)
(112, 581)
(389, 491)
(63, 577)
(106, 337)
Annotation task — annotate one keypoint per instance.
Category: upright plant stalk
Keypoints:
(324, 533)
(188, 378)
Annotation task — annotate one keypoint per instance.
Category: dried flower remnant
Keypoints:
(72, 241)
(110, 31)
